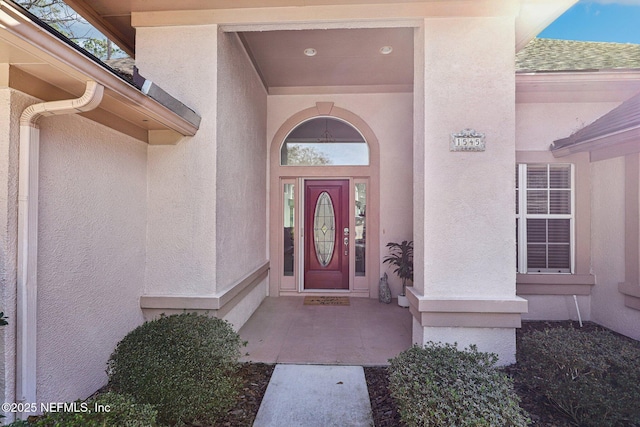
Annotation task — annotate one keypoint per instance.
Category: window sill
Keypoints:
(631, 292)
(554, 284)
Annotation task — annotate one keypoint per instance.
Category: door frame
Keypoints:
(365, 286)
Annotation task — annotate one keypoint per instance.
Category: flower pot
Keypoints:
(403, 301)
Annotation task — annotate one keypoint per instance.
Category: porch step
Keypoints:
(315, 395)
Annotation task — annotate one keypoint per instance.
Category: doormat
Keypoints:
(326, 301)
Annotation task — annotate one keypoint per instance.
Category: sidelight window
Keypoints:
(360, 227)
(289, 228)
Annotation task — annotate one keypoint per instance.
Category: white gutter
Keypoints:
(27, 287)
(24, 34)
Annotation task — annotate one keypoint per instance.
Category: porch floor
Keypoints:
(365, 333)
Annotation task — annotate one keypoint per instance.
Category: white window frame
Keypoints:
(522, 217)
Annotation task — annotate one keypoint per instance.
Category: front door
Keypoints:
(326, 237)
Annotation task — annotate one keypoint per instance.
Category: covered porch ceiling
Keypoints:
(333, 60)
(351, 38)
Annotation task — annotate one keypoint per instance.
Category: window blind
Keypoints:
(544, 218)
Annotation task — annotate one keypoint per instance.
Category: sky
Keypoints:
(598, 21)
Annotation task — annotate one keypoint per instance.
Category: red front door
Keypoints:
(326, 236)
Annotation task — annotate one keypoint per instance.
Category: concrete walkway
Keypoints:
(314, 395)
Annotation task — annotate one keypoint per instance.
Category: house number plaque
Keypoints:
(467, 140)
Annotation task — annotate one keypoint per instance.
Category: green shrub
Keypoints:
(186, 365)
(439, 385)
(106, 410)
(593, 377)
(19, 423)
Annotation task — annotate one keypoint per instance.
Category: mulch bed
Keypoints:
(385, 413)
(255, 377)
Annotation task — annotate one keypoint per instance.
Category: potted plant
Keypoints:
(401, 257)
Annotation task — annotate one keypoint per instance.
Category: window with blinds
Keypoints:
(544, 218)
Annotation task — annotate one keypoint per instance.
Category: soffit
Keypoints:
(344, 58)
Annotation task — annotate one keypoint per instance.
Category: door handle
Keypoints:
(346, 246)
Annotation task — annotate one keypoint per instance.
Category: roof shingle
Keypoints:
(567, 55)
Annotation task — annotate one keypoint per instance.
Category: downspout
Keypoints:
(27, 286)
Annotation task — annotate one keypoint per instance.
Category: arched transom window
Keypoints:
(324, 141)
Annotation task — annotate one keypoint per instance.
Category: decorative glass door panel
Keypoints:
(326, 236)
(324, 229)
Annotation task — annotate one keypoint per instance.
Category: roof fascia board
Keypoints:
(69, 61)
(586, 86)
(616, 133)
(26, 83)
(326, 13)
(323, 25)
(568, 79)
(605, 147)
(156, 92)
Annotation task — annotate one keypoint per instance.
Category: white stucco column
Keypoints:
(464, 214)
(181, 231)
(207, 232)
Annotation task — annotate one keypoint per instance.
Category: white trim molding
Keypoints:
(466, 312)
(554, 284)
(218, 304)
(631, 292)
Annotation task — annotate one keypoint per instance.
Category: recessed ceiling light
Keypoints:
(310, 51)
(386, 50)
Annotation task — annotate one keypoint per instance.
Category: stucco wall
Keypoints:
(539, 124)
(468, 233)
(390, 116)
(181, 248)
(91, 252)
(207, 195)
(241, 166)
(557, 307)
(92, 217)
(11, 105)
(608, 252)
(466, 241)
